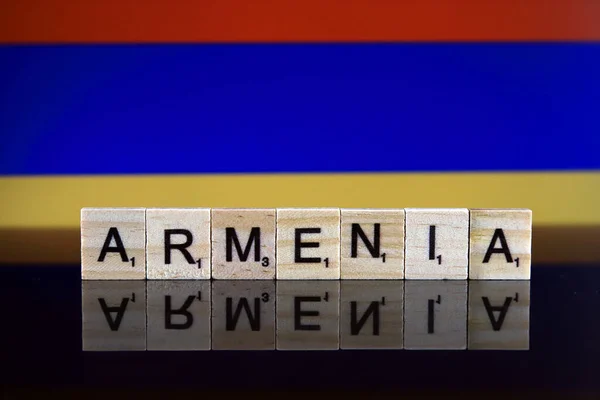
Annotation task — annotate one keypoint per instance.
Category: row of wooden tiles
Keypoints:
(305, 315)
(310, 243)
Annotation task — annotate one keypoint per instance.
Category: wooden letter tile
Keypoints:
(308, 243)
(178, 315)
(243, 244)
(178, 243)
(500, 244)
(435, 315)
(437, 243)
(243, 315)
(372, 244)
(308, 315)
(499, 315)
(114, 315)
(113, 243)
(372, 314)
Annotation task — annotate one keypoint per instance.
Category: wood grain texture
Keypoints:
(489, 226)
(178, 315)
(435, 315)
(195, 263)
(113, 315)
(243, 314)
(126, 225)
(437, 243)
(385, 261)
(252, 226)
(317, 227)
(553, 245)
(372, 315)
(308, 315)
(499, 315)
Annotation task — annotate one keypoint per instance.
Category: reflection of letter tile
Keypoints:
(308, 243)
(499, 315)
(178, 315)
(114, 315)
(180, 226)
(382, 255)
(125, 230)
(308, 315)
(252, 229)
(437, 243)
(372, 314)
(243, 314)
(500, 244)
(435, 315)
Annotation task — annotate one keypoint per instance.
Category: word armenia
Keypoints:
(305, 243)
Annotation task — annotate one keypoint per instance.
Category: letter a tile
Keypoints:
(372, 244)
(499, 315)
(113, 243)
(437, 243)
(308, 243)
(243, 243)
(500, 244)
(178, 243)
(113, 315)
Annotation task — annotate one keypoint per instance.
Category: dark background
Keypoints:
(41, 344)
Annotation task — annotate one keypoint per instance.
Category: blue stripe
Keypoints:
(298, 108)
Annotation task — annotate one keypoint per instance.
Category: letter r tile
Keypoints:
(178, 243)
(178, 315)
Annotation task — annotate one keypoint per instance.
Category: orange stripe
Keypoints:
(143, 21)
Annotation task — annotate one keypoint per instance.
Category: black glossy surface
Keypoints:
(42, 346)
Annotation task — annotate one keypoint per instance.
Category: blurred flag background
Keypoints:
(308, 103)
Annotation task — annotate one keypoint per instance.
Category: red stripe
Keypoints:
(143, 21)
